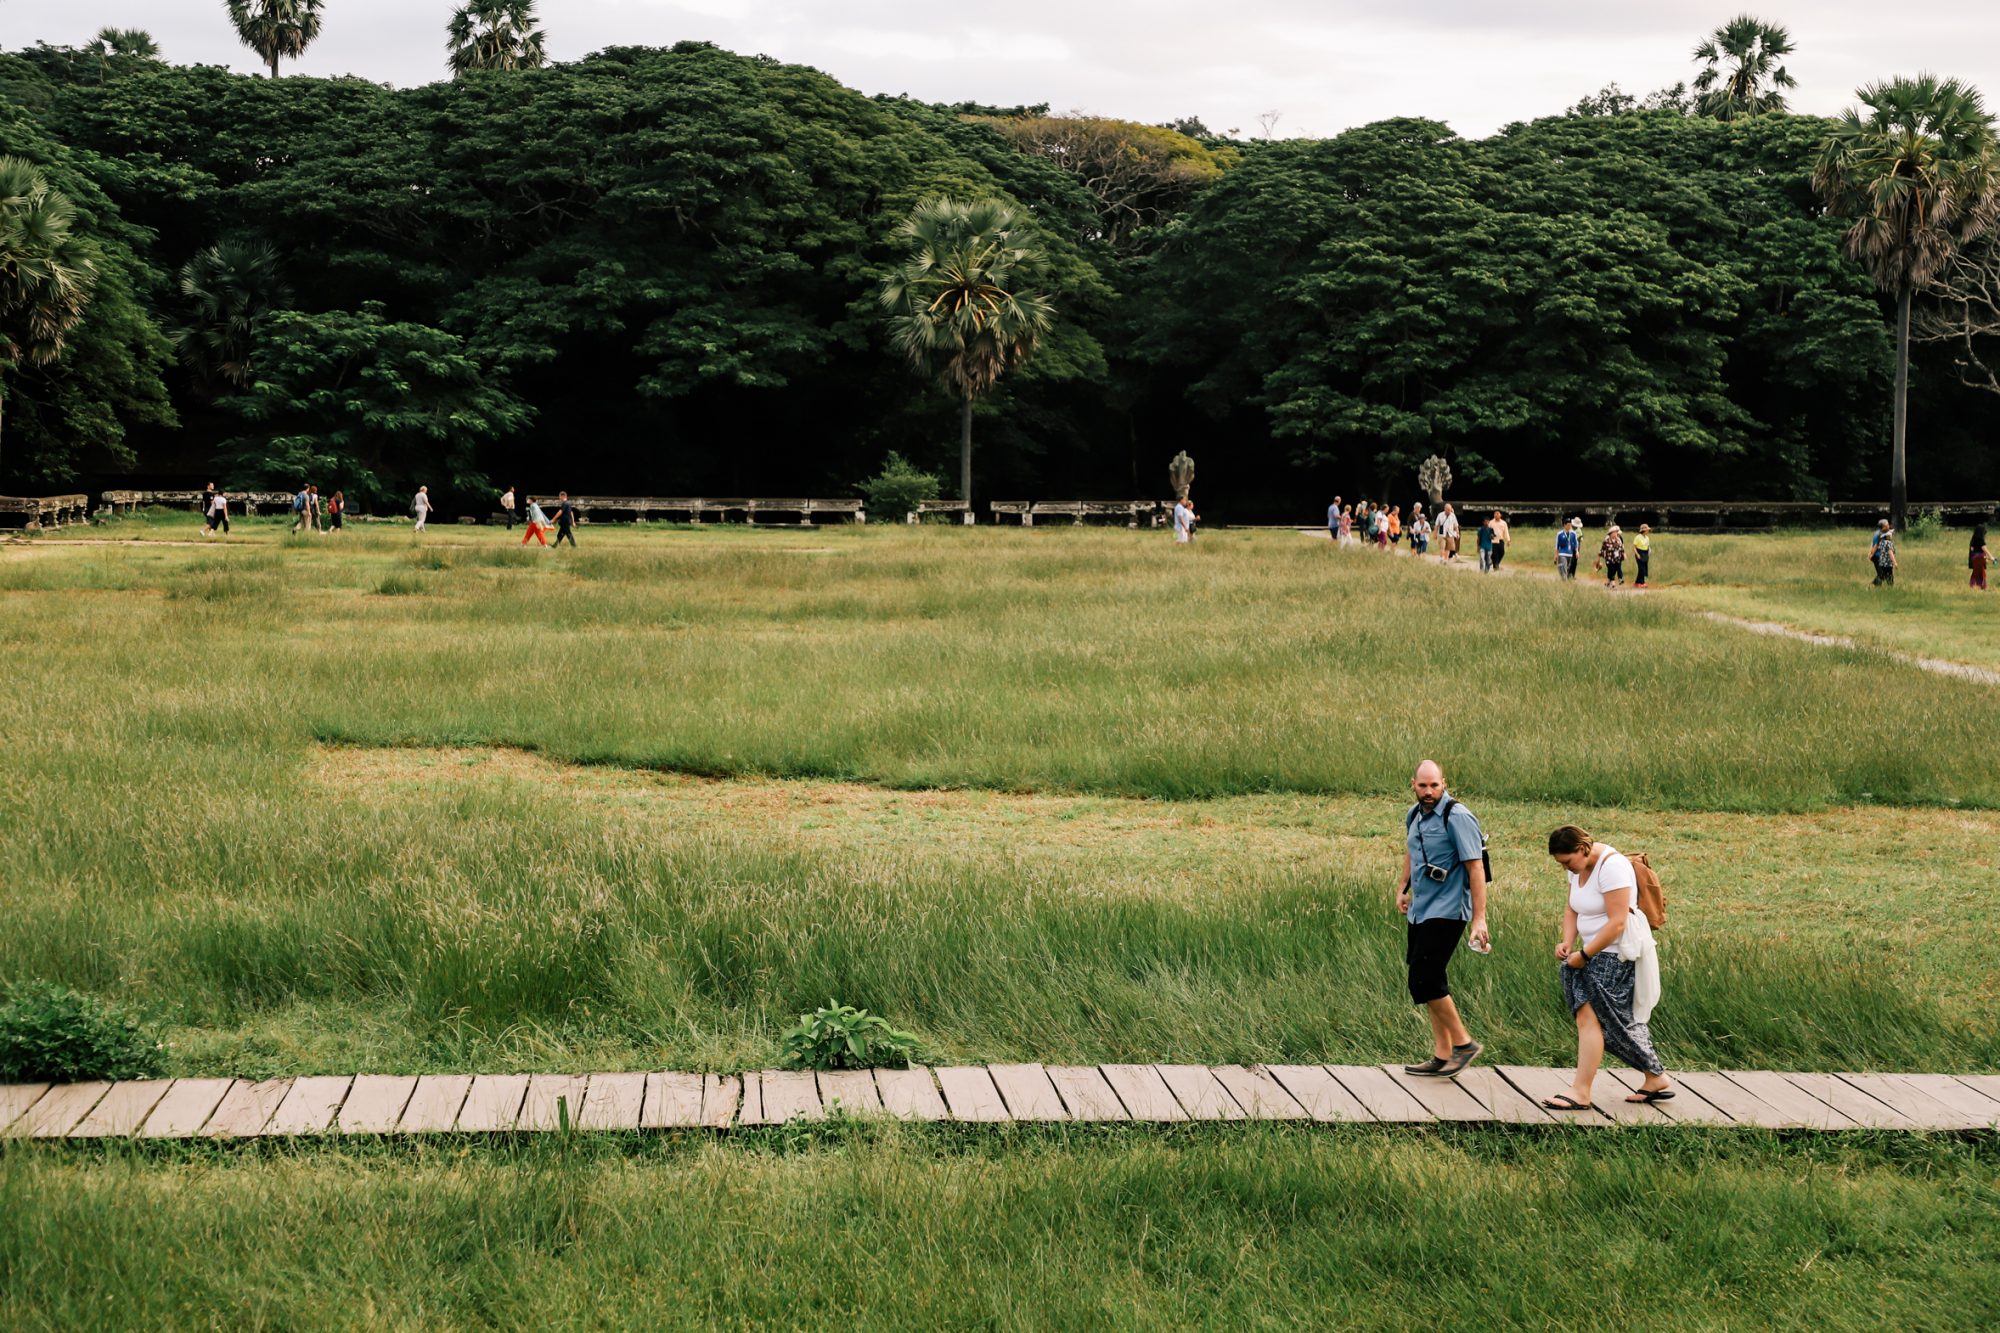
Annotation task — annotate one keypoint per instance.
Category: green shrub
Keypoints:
(51, 1034)
(1924, 524)
(399, 585)
(840, 1036)
(897, 490)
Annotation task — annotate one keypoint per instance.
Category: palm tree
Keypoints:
(228, 288)
(495, 34)
(1753, 49)
(1919, 176)
(955, 308)
(134, 42)
(45, 278)
(276, 28)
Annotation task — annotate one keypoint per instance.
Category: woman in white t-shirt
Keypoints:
(1597, 983)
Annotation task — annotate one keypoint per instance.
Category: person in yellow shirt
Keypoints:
(1642, 550)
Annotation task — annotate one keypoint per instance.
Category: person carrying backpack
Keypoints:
(1442, 897)
(299, 507)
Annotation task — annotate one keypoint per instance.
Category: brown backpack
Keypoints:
(1652, 898)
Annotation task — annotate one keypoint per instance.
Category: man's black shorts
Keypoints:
(1430, 946)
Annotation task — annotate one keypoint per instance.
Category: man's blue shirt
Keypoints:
(1566, 542)
(1433, 843)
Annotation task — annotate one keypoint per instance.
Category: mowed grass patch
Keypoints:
(1246, 1226)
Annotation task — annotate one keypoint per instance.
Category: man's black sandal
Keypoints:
(1562, 1101)
(1430, 1066)
(1461, 1056)
(1649, 1095)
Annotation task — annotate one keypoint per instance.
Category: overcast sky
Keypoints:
(1325, 64)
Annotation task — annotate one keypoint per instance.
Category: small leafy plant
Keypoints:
(895, 492)
(839, 1036)
(51, 1034)
(1924, 524)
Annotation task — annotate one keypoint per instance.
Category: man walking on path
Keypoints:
(299, 502)
(565, 520)
(507, 507)
(1500, 536)
(1333, 520)
(1443, 888)
(421, 507)
(1447, 530)
(1486, 546)
(1566, 552)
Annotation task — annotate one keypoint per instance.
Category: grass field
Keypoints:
(378, 802)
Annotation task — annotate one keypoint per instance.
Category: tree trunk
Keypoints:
(274, 64)
(965, 453)
(1899, 477)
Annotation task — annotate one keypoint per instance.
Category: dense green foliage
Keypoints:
(670, 258)
(52, 1034)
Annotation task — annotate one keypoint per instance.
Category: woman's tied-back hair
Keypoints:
(1569, 838)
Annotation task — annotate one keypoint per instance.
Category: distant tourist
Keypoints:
(1183, 520)
(336, 511)
(1420, 533)
(1642, 553)
(1611, 556)
(1566, 544)
(1443, 889)
(1978, 558)
(312, 507)
(1882, 555)
(507, 506)
(421, 507)
(299, 502)
(1610, 971)
(218, 510)
(1501, 534)
(1396, 526)
(1345, 535)
(1447, 531)
(565, 520)
(1381, 530)
(1333, 512)
(1486, 544)
(538, 524)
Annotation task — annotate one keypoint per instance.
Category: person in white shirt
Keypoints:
(421, 507)
(1598, 983)
(507, 507)
(1447, 531)
(1183, 520)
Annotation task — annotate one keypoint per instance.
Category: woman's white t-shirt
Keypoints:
(1612, 873)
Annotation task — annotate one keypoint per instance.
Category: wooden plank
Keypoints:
(246, 1108)
(1028, 1092)
(16, 1098)
(1685, 1107)
(186, 1108)
(1744, 1108)
(1315, 1088)
(1442, 1097)
(59, 1112)
(492, 1104)
(310, 1106)
(789, 1094)
(721, 1094)
(539, 1108)
(1145, 1094)
(434, 1104)
(1611, 1100)
(613, 1101)
(1851, 1102)
(127, 1105)
(1086, 1094)
(375, 1103)
(751, 1112)
(1537, 1083)
(1503, 1101)
(1949, 1091)
(1791, 1108)
(1199, 1092)
(1259, 1094)
(1986, 1085)
(1385, 1098)
(853, 1091)
(673, 1101)
(910, 1094)
(970, 1093)
(1914, 1104)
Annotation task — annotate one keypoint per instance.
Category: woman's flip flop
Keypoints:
(1562, 1101)
(1650, 1095)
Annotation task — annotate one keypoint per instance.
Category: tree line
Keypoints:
(683, 270)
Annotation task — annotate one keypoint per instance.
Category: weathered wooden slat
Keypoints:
(721, 1095)
(246, 1108)
(65, 1106)
(1315, 1088)
(1945, 1089)
(434, 1104)
(751, 1111)
(1685, 1107)
(910, 1094)
(310, 1106)
(186, 1108)
(788, 1094)
(1986, 1085)
(1145, 1094)
(127, 1105)
(853, 1091)
(1442, 1097)
(1382, 1095)
(1028, 1092)
(1199, 1092)
(542, 1108)
(970, 1093)
(1920, 1108)
(673, 1101)
(375, 1103)
(1503, 1101)
(492, 1104)
(1851, 1102)
(613, 1101)
(1085, 1093)
(1259, 1094)
(16, 1098)
(1743, 1107)
(1791, 1108)
(1611, 1100)
(1537, 1083)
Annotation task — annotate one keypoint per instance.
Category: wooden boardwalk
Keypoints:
(221, 1108)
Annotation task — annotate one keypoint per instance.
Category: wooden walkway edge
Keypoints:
(381, 1104)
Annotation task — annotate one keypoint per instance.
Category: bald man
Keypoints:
(1442, 889)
